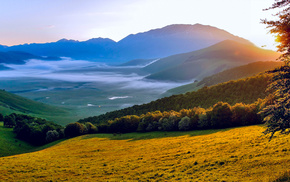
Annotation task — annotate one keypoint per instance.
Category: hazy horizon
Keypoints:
(50, 21)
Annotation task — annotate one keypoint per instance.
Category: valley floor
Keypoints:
(239, 154)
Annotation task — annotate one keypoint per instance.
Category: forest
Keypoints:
(247, 91)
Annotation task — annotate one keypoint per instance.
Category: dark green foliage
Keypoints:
(1, 117)
(125, 124)
(221, 115)
(277, 115)
(75, 129)
(34, 130)
(184, 124)
(246, 90)
(52, 135)
(91, 128)
(9, 121)
(149, 121)
(280, 28)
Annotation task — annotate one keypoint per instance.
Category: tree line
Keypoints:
(39, 131)
(246, 91)
(221, 115)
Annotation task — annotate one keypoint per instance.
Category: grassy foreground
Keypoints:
(240, 154)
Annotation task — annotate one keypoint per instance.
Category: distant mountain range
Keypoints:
(208, 61)
(157, 43)
(18, 57)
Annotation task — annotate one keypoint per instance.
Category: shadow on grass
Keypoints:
(151, 135)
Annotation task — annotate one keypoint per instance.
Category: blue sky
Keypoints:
(29, 21)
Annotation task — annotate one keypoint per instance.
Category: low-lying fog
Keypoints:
(86, 71)
(91, 88)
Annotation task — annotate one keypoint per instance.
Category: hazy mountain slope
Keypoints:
(18, 57)
(208, 61)
(227, 75)
(138, 62)
(174, 39)
(95, 49)
(157, 43)
(13, 103)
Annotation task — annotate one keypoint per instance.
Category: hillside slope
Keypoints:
(246, 90)
(13, 103)
(240, 154)
(227, 75)
(206, 62)
(18, 57)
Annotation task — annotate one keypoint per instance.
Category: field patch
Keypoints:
(239, 154)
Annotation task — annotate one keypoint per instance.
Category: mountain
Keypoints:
(157, 43)
(205, 62)
(18, 57)
(138, 62)
(227, 75)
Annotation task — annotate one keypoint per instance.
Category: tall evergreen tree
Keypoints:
(277, 115)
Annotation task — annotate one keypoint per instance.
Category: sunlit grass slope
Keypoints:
(240, 154)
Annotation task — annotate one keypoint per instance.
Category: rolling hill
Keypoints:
(239, 154)
(206, 62)
(157, 43)
(10, 103)
(227, 75)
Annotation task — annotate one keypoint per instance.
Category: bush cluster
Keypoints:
(38, 131)
(221, 115)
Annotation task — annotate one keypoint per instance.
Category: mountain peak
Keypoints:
(100, 40)
(67, 40)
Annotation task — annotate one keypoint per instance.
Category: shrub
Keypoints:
(125, 124)
(203, 122)
(52, 135)
(239, 115)
(169, 124)
(74, 129)
(221, 115)
(91, 128)
(184, 124)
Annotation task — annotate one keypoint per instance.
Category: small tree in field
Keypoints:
(277, 115)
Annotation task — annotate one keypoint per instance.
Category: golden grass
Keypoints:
(240, 154)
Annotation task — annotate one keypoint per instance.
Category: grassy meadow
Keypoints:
(238, 154)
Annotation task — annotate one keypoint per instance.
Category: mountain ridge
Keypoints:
(208, 61)
(152, 44)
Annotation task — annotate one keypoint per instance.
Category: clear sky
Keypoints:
(37, 21)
